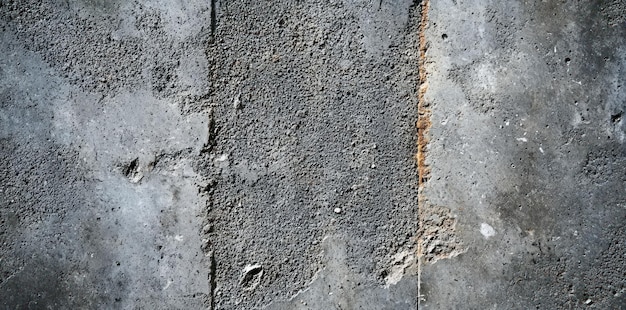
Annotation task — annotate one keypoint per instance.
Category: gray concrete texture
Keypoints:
(307, 154)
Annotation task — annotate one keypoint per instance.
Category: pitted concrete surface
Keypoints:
(314, 136)
(262, 155)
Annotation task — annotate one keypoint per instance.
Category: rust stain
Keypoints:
(423, 126)
(436, 237)
(423, 109)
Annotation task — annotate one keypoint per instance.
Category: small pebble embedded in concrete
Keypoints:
(487, 231)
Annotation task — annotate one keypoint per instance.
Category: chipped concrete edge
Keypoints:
(423, 126)
(423, 109)
(436, 235)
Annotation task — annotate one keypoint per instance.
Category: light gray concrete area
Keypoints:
(528, 154)
(99, 204)
(212, 154)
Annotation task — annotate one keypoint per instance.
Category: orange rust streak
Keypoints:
(423, 125)
(423, 119)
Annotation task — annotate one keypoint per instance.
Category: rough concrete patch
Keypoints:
(106, 46)
(94, 7)
(336, 286)
(306, 122)
(614, 12)
(180, 19)
(605, 164)
(401, 262)
(438, 239)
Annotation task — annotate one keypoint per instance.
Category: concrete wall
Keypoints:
(312, 154)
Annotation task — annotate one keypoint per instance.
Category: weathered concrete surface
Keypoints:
(203, 154)
(527, 152)
(99, 201)
(314, 106)
(244, 154)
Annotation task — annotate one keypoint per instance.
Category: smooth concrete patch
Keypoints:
(527, 154)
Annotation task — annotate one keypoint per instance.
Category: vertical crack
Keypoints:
(207, 190)
(207, 152)
(213, 18)
(212, 280)
(436, 235)
(423, 126)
